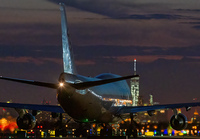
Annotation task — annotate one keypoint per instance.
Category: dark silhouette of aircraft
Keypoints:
(81, 97)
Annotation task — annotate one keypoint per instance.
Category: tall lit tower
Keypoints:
(135, 86)
(151, 100)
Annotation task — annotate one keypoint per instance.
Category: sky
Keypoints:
(106, 36)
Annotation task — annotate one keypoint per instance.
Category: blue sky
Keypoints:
(106, 36)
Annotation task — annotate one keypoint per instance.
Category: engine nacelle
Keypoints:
(26, 122)
(178, 122)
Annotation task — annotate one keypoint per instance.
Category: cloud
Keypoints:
(126, 9)
(155, 58)
(188, 10)
(120, 50)
(20, 60)
(193, 23)
(30, 51)
(41, 61)
(84, 62)
(30, 34)
(155, 16)
(145, 58)
(90, 55)
(26, 9)
(196, 27)
(192, 59)
(126, 54)
(37, 61)
(113, 8)
(106, 54)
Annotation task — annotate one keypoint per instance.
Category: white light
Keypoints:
(61, 84)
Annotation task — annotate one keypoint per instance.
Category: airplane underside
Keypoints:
(89, 109)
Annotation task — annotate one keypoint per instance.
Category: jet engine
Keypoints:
(178, 122)
(27, 121)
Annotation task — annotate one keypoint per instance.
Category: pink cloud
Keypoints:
(147, 59)
(54, 60)
(20, 60)
(194, 57)
(40, 61)
(84, 62)
(37, 61)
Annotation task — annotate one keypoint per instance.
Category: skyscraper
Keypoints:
(135, 86)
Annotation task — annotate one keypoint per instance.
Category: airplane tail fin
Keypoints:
(68, 59)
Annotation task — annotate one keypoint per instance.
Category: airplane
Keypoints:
(81, 97)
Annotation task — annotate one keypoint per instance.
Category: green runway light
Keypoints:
(85, 120)
(184, 132)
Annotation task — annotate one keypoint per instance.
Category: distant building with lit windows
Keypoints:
(44, 115)
(160, 116)
(47, 116)
(196, 117)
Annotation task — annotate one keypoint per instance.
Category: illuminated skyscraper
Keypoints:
(135, 86)
(151, 100)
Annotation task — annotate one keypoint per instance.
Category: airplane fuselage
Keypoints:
(85, 105)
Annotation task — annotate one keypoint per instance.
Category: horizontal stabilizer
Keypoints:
(31, 82)
(84, 85)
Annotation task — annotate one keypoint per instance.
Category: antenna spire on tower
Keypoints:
(134, 66)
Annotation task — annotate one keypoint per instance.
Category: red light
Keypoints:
(40, 126)
(4, 109)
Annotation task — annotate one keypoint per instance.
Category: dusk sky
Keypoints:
(106, 35)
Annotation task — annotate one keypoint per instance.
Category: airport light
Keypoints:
(184, 132)
(61, 84)
(194, 127)
(155, 132)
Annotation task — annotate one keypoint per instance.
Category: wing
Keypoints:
(31, 82)
(50, 108)
(135, 109)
